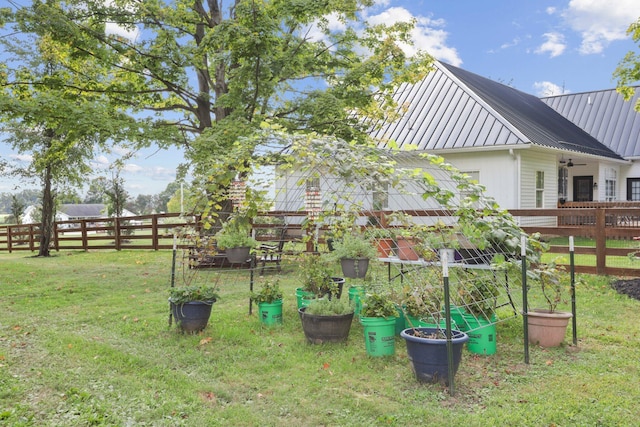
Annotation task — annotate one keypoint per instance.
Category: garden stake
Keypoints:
(573, 291)
(447, 311)
(525, 326)
(173, 275)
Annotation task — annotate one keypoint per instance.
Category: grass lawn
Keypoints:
(84, 340)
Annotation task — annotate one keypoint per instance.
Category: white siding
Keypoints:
(532, 162)
(497, 171)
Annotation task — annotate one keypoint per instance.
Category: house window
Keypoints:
(539, 189)
(381, 197)
(610, 178)
(563, 180)
(633, 189)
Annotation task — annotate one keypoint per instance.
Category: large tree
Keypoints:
(208, 76)
(628, 71)
(53, 124)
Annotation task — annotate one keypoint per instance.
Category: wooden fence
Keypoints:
(155, 232)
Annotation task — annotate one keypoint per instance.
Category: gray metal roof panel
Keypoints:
(541, 124)
(441, 114)
(83, 210)
(453, 108)
(604, 115)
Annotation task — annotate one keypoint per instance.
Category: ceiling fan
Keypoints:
(570, 164)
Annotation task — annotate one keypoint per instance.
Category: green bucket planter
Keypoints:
(482, 334)
(401, 323)
(303, 297)
(379, 335)
(355, 298)
(457, 316)
(270, 313)
(430, 323)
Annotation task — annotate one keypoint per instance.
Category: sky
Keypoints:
(542, 47)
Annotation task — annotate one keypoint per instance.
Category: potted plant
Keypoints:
(547, 327)
(405, 236)
(427, 352)
(354, 250)
(236, 241)
(422, 307)
(269, 301)
(439, 238)
(477, 296)
(326, 320)
(384, 240)
(378, 318)
(191, 306)
(426, 335)
(317, 280)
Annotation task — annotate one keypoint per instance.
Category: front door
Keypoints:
(583, 188)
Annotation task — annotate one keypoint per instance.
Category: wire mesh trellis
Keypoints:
(412, 198)
(324, 188)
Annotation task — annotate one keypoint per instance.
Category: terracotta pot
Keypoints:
(406, 250)
(546, 328)
(385, 247)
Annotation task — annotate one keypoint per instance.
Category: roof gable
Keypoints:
(453, 108)
(605, 115)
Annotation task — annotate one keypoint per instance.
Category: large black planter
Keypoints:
(428, 356)
(354, 268)
(238, 255)
(320, 329)
(340, 282)
(192, 316)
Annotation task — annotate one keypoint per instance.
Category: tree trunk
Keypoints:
(48, 211)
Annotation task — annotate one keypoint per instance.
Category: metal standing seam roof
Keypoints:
(84, 210)
(453, 108)
(605, 115)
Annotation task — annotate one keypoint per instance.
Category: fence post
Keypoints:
(85, 238)
(9, 239)
(601, 241)
(155, 234)
(116, 232)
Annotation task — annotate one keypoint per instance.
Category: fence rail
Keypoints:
(155, 232)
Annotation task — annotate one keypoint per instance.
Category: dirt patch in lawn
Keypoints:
(630, 288)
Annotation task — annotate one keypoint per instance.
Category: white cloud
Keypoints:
(121, 151)
(550, 10)
(600, 22)
(512, 43)
(117, 30)
(427, 36)
(548, 89)
(22, 157)
(162, 173)
(555, 45)
(133, 168)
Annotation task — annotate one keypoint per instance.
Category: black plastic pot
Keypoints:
(428, 356)
(192, 316)
(320, 329)
(354, 268)
(238, 255)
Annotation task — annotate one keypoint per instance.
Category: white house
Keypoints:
(70, 212)
(528, 152)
